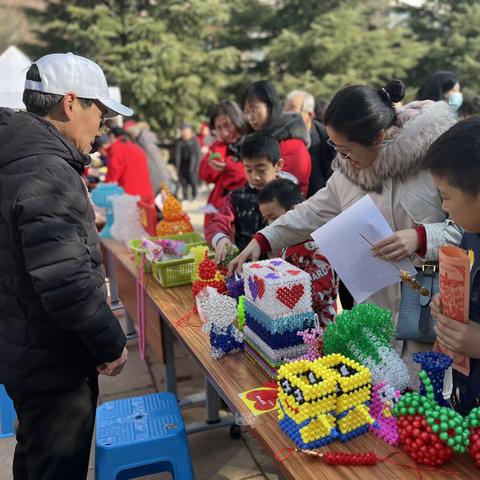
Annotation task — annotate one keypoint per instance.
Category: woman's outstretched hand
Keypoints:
(398, 246)
(251, 252)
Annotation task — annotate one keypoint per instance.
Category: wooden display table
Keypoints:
(235, 373)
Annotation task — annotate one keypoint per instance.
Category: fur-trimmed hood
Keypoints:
(421, 123)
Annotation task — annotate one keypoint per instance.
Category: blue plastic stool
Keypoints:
(141, 436)
(7, 414)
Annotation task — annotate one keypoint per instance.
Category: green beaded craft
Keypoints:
(241, 312)
(375, 321)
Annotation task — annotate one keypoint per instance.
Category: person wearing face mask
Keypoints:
(221, 165)
(442, 85)
(379, 150)
(263, 112)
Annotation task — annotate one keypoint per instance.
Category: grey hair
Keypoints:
(308, 105)
(40, 103)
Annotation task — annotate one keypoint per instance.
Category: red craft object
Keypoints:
(420, 442)
(209, 276)
(148, 217)
(338, 458)
(475, 445)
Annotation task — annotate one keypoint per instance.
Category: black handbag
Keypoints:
(415, 321)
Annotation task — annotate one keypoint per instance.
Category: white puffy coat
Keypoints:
(405, 195)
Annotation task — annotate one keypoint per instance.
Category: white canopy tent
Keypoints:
(13, 67)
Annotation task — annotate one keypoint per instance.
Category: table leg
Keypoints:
(210, 398)
(169, 367)
(131, 332)
(212, 402)
(114, 298)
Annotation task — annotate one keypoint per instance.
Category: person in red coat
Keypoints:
(127, 165)
(263, 111)
(221, 165)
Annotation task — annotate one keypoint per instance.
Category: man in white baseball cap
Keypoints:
(57, 331)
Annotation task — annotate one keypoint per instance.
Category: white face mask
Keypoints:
(455, 100)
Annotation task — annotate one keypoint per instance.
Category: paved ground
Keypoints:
(214, 454)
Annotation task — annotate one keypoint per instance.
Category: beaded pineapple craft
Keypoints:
(175, 220)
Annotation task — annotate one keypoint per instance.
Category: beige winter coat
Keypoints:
(405, 195)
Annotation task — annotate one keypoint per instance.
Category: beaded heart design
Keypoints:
(257, 287)
(290, 296)
(255, 265)
(294, 272)
(277, 263)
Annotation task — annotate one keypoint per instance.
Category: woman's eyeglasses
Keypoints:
(338, 150)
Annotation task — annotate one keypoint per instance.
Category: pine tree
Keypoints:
(452, 30)
(352, 43)
(161, 54)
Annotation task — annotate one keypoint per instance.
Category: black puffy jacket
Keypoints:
(55, 324)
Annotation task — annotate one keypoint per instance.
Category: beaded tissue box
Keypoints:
(277, 287)
(274, 340)
(323, 400)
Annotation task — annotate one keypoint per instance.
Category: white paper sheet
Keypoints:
(351, 255)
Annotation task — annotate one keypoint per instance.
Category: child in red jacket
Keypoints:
(219, 165)
(276, 199)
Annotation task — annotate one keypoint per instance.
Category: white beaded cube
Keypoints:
(277, 287)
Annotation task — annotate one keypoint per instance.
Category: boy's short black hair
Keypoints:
(257, 146)
(455, 156)
(284, 191)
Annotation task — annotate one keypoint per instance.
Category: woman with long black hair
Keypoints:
(221, 165)
(263, 112)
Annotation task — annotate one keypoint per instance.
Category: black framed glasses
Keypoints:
(338, 150)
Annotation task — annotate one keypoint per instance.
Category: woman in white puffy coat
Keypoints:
(379, 149)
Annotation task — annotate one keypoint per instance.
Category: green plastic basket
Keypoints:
(173, 273)
(191, 239)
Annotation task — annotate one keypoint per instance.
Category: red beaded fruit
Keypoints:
(223, 269)
(475, 445)
(208, 276)
(207, 268)
(420, 442)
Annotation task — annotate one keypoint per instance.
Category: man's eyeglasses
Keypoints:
(340, 152)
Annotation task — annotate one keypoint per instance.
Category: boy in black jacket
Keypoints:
(239, 218)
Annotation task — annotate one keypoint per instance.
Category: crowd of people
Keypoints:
(279, 170)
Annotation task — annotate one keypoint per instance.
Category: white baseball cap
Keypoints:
(61, 73)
